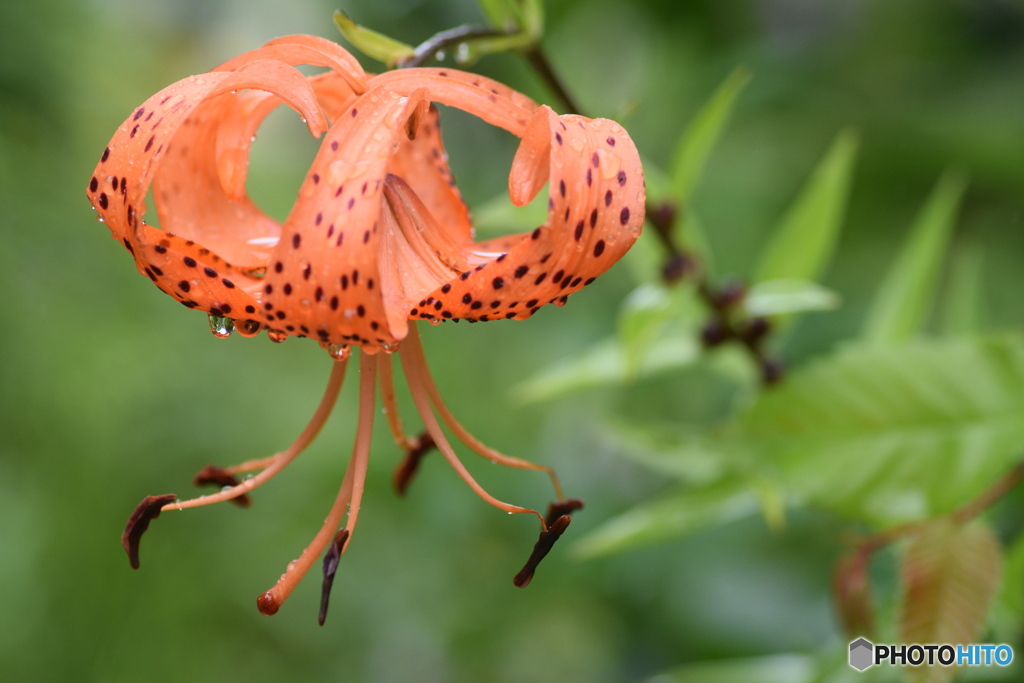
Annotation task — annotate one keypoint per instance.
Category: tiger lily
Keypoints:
(378, 239)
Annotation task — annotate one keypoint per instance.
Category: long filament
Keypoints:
(351, 489)
(412, 345)
(387, 396)
(412, 364)
(278, 461)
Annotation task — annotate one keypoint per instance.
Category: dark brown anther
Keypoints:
(211, 475)
(148, 509)
(406, 469)
(331, 559)
(561, 507)
(541, 549)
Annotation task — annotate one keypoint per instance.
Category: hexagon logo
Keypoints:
(861, 654)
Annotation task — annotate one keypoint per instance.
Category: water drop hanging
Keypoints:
(221, 326)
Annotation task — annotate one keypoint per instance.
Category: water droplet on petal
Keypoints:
(221, 326)
(247, 328)
(389, 348)
(339, 351)
(277, 336)
(435, 321)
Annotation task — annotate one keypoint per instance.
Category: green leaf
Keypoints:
(375, 45)
(667, 448)
(498, 216)
(901, 307)
(678, 514)
(775, 297)
(950, 574)
(963, 311)
(699, 139)
(806, 235)
(645, 314)
(891, 434)
(515, 16)
(785, 668)
(605, 364)
(1013, 590)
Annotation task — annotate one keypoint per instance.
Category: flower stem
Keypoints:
(538, 59)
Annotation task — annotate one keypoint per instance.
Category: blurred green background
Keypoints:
(110, 391)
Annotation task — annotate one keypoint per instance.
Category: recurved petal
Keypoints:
(241, 117)
(596, 211)
(423, 163)
(178, 263)
(305, 49)
(324, 278)
(494, 102)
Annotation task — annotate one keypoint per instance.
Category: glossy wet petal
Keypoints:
(596, 211)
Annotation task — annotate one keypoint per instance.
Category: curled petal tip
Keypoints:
(138, 522)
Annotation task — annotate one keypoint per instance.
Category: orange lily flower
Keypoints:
(378, 237)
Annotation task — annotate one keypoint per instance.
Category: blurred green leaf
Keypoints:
(472, 49)
(498, 216)
(371, 43)
(605, 364)
(950, 574)
(644, 315)
(1013, 590)
(784, 668)
(775, 297)
(893, 433)
(806, 235)
(672, 516)
(667, 448)
(901, 307)
(521, 20)
(503, 15)
(699, 139)
(963, 312)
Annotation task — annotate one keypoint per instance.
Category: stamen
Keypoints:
(211, 475)
(412, 364)
(278, 461)
(387, 395)
(412, 345)
(406, 469)
(541, 549)
(331, 560)
(138, 522)
(351, 489)
(562, 507)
